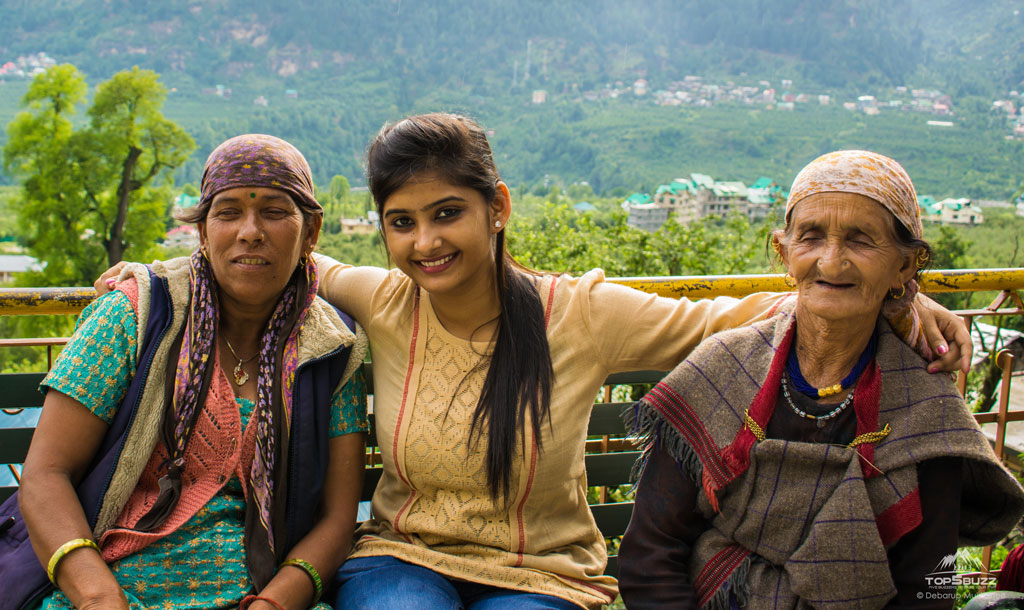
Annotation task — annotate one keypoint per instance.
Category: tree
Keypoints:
(138, 148)
(339, 189)
(95, 194)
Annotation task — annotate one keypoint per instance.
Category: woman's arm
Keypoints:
(328, 543)
(635, 330)
(65, 440)
(349, 288)
(87, 382)
(655, 552)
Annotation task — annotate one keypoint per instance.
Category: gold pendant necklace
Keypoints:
(239, 373)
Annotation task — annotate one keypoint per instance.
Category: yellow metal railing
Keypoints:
(706, 286)
(51, 301)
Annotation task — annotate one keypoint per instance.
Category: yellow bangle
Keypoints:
(60, 553)
(305, 566)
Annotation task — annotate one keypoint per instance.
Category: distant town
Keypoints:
(699, 196)
(692, 90)
(697, 92)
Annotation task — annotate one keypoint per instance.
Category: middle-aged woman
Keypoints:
(809, 460)
(209, 412)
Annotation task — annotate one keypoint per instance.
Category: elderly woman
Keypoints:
(201, 441)
(810, 459)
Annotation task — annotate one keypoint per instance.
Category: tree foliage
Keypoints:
(560, 239)
(97, 194)
(339, 188)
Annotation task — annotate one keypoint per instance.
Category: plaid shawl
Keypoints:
(788, 518)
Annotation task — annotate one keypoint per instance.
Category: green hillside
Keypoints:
(352, 66)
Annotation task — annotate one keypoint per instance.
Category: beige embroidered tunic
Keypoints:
(432, 507)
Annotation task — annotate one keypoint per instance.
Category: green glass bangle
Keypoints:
(302, 564)
(62, 552)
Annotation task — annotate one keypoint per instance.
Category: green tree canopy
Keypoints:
(339, 189)
(98, 194)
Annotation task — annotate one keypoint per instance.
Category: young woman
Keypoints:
(485, 375)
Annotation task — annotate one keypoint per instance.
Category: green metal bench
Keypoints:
(609, 459)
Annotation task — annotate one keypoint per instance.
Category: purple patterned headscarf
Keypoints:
(258, 160)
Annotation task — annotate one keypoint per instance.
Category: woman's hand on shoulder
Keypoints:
(947, 335)
(105, 282)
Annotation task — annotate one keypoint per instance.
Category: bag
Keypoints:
(23, 578)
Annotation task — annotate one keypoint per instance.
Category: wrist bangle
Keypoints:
(62, 552)
(302, 564)
(249, 599)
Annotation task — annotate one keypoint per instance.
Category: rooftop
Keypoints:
(17, 263)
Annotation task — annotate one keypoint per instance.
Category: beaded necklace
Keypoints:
(820, 420)
(801, 385)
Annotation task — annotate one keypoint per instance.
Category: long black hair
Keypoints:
(519, 376)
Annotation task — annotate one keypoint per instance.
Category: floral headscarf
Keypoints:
(865, 173)
(258, 160)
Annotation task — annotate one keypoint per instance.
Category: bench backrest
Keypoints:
(604, 468)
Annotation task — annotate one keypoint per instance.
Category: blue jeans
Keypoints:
(386, 583)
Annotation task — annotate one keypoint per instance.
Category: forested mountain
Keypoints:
(331, 72)
(441, 42)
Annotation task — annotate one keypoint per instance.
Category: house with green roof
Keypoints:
(725, 198)
(960, 212)
(680, 196)
(702, 181)
(950, 211)
(636, 199)
(761, 196)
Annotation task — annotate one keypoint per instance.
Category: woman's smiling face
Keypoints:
(442, 235)
(253, 237)
(841, 249)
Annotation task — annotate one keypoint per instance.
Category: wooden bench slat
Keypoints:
(612, 517)
(610, 468)
(21, 390)
(14, 444)
(606, 419)
(631, 377)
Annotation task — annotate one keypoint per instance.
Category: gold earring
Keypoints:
(790, 280)
(202, 250)
(303, 260)
(922, 258)
(896, 297)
